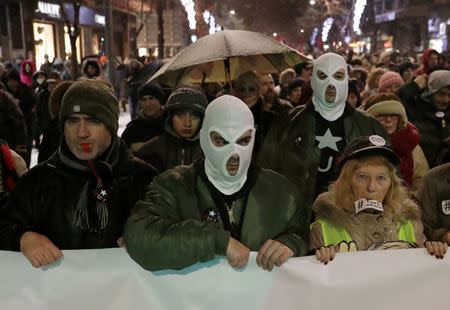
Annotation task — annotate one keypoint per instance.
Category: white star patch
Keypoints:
(212, 213)
(103, 192)
(328, 140)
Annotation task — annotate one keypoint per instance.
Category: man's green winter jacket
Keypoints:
(167, 230)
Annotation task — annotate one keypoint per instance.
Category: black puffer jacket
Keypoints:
(167, 150)
(45, 199)
(140, 131)
(12, 124)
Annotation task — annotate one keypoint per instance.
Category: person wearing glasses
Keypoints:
(405, 137)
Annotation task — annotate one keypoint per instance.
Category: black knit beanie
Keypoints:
(187, 97)
(298, 82)
(93, 97)
(153, 90)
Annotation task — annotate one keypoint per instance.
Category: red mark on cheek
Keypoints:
(85, 146)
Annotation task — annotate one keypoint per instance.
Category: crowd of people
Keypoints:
(331, 155)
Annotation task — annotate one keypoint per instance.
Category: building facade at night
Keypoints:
(37, 28)
(413, 25)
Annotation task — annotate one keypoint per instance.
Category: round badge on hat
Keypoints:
(377, 140)
(211, 215)
(440, 114)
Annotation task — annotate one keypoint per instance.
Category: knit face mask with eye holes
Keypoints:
(228, 118)
(328, 70)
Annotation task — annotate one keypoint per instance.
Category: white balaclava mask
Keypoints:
(230, 118)
(329, 63)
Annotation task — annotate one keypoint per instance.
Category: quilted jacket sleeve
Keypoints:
(157, 236)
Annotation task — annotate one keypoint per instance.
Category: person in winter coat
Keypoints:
(390, 82)
(27, 104)
(429, 110)
(13, 128)
(39, 79)
(430, 59)
(12, 166)
(247, 87)
(294, 91)
(367, 208)
(120, 74)
(149, 122)
(44, 120)
(304, 146)
(133, 84)
(406, 71)
(51, 135)
(92, 68)
(67, 74)
(373, 81)
(27, 69)
(434, 197)
(223, 205)
(286, 76)
(81, 197)
(353, 96)
(405, 137)
(179, 142)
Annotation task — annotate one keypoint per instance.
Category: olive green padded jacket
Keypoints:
(167, 229)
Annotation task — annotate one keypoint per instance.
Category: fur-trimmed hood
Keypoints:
(325, 208)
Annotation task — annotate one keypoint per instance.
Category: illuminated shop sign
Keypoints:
(99, 19)
(88, 16)
(49, 9)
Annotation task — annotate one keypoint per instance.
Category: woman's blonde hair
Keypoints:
(341, 190)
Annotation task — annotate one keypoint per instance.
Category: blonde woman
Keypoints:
(368, 207)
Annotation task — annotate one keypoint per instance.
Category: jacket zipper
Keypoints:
(182, 156)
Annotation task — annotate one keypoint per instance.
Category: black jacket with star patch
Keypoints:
(290, 147)
(45, 201)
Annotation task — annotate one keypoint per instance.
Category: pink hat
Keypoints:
(388, 79)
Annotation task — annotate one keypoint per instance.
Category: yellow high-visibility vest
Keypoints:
(333, 235)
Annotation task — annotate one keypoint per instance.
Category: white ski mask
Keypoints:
(230, 118)
(329, 64)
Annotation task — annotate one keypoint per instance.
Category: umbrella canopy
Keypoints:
(208, 59)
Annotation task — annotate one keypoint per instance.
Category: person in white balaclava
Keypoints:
(221, 205)
(305, 147)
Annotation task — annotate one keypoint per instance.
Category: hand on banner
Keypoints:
(436, 248)
(447, 237)
(121, 243)
(273, 253)
(326, 254)
(237, 254)
(38, 249)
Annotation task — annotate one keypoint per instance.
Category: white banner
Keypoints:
(109, 279)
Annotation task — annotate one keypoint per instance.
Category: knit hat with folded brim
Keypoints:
(388, 79)
(93, 97)
(436, 80)
(389, 107)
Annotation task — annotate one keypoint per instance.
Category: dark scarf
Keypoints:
(91, 212)
(221, 199)
(403, 143)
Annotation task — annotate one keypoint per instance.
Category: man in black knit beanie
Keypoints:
(81, 196)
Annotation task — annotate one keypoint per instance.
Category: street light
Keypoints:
(275, 34)
(312, 2)
(232, 12)
(302, 30)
